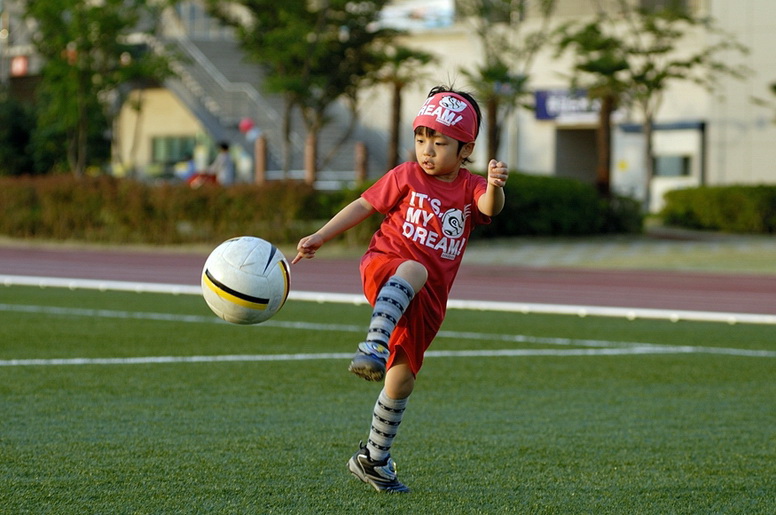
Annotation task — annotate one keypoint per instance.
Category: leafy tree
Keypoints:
(402, 68)
(501, 82)
(600, 63)
(643, 54)
(315, 52)
(657, 61)
(87, 55)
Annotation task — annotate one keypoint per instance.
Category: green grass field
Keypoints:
(145, 403)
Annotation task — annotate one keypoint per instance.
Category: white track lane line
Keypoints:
(674, 315)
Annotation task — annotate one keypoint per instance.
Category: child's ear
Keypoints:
(467, 150)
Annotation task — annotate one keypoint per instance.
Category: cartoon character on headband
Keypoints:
(451, 114)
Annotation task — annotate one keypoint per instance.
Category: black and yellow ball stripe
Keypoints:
(236, 297)
(286, 280)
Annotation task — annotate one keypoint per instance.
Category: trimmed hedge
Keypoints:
(109, 210)
(106, 209)
(553, 206)
(735, 209)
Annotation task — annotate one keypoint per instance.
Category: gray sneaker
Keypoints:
(380, 474)
(369, 361)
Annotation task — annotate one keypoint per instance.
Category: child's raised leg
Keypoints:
(392, 300)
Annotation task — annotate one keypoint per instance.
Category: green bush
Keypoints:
(736, 209)
(551, 206)
(106, 209)
(110, 210)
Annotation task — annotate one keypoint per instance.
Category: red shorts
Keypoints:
(422, 319)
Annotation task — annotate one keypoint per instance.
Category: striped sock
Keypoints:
(386, 418)
(392, 301)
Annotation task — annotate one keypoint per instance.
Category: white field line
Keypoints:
(302, 326)
(591, 347)
(155, 360)
(673, 315)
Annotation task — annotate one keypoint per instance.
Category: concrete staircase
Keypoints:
(221, 87)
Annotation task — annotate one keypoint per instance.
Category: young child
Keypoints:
(430, 207)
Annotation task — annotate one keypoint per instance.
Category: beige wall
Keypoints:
(161, 114)
(742, 135)
(741, 146)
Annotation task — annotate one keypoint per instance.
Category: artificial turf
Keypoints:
(543, 430)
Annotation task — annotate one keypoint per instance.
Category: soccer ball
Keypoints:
(245, 280)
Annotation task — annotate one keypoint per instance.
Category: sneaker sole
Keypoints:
(356, 471)
(370, 374)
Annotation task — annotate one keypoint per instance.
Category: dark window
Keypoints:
(672, 166)
(680, 6)
(171, 149)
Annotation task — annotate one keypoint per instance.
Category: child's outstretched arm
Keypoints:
(350, 216)
(492, 201)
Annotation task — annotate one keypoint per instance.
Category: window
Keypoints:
(680, 6)
(672, 166)
(171, 149)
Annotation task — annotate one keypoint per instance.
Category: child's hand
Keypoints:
(497, 173)
(307, 247)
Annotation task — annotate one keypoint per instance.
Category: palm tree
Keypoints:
(402, 68)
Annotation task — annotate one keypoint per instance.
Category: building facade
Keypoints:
(701, 137)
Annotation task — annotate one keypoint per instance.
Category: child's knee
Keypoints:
(414, 273)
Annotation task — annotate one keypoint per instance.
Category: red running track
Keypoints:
(585, 287)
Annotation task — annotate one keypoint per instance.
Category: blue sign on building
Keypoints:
(553, 103)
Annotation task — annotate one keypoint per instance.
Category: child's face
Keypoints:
(438, 154)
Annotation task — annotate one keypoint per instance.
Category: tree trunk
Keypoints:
(81, 131)
(137, 133)
(72, 158)
(604, 146)
(310, 157)
(393, 141)
(361, 162)
(649, 162)
(287, 110)
(493, 128)
(260, 160)
(82, 145)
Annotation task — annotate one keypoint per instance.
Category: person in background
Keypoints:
(223, 166)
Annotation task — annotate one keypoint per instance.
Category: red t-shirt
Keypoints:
(429, 221)
(426, 219)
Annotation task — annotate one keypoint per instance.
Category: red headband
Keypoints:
(449, 114)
